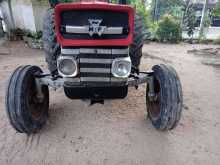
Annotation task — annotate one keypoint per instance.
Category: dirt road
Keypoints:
(118, 133)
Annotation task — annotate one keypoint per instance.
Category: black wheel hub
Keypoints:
(153, 105)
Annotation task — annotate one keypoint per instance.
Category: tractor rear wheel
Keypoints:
(137, 45)
(51, 47)
(164, 109)
(26, 109)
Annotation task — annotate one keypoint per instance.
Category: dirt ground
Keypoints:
(118, 133)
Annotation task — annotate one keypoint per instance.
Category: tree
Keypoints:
(162, 7)
(169, 29)
(140, 6)
(216, 10)
(155, 10)
(191, 23)
(189, 18)
(185, 7)
(203, 19)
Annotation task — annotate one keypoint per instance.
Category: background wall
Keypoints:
(211, 33)
(23, 14)
(27, 14)
(39, 10)
(6, 14)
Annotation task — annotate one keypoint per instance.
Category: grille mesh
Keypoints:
(81, 17)
(95, 64)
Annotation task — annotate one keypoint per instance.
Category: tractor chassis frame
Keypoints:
(133, 81)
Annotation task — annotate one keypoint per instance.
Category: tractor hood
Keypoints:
(94, 24)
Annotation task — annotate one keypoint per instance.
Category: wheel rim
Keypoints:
(153, 106)
(34, 104)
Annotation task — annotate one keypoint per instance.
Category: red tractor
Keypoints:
(93, 50)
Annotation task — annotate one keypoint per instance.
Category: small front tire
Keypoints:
(27, 113)
(165, 108)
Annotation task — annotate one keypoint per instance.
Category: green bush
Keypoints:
(216, 11)
(153, 31)
(143, 11)
(35, 35)
(168, 30)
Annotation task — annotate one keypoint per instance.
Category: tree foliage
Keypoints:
(191, 22)
(189, 18)
(169, 29)
(205, 21)
(162, 7)
(142, 10)
(216, 10)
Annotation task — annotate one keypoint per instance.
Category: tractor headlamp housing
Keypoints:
(121, 67)
(67, 66)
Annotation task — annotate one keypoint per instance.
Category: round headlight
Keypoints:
(67, 66)
(121, 67)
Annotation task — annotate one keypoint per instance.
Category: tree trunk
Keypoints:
(155, 10)
(202, 23)
(186, 5)
(11, 14)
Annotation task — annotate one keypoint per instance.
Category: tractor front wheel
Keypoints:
(165, 106)
(26, 106)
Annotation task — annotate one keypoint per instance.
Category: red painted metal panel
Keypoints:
(96, 6)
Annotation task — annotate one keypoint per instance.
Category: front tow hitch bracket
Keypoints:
(47, 79)
(133, 81)
(142, 78)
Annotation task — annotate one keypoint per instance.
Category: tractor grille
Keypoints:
(95, 64)
(80, 18)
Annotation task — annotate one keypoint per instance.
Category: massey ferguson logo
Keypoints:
(95, 28)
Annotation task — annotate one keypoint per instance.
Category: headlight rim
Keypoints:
(60, 59)
(123, 59)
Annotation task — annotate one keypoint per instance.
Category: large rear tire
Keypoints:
(137, 45)
(51, 47)
(27, 112)
(165, 109)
